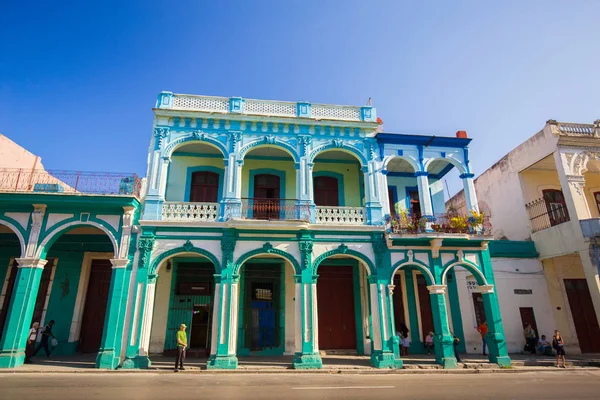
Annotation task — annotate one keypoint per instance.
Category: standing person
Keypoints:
(530, 338)
(429, 342)
(559, 345)
(31, 338)
(455, 345)
(403, 329)
(181, 346)
(46, 335)
(405, 345)
(483, 330)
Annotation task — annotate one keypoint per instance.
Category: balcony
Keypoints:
(544, 215)
(590, 228)
(191, 212)
(272, 210)
(16, 180)
(450, 223)
(340, 215)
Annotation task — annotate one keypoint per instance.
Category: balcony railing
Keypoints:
(69, 182)
(274, 209)
(543, 214)
(340, 215)
(199, 212)
(454, 222)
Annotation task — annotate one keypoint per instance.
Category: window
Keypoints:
(204, 187)
(556, 206)
(392, 201)
(415, 204)
(326, 191)
(597, 198)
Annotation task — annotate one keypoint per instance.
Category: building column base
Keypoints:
(222, 362)
(449, 363)
(139, 362)
(380, 359)
(503, 361)
(107, 359)
(12, 359)
(307, 361)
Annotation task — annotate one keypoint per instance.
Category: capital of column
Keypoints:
(486, 289)
(466, 176)
(119, 263)
(421, 173)
(437, 289)
(30, 262)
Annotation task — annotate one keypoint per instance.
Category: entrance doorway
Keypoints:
(40, 301)
(337, 318)
(425, 305)
(399, 316)
(584, 316)
(94, 311)
(266, 202)
(479, 310)
(262, 310)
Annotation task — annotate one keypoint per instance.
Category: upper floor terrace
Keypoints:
(231, 159)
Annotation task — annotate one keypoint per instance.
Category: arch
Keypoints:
(195, 137)
(336, 145)
(187, 248)
(344, 250)
(469, 266)
(266, 249)
(17, 232)
(413, 163)
(270, 141)
(458, 164)
(416, 264)
(57, 232)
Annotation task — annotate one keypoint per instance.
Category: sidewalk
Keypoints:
(331, 364)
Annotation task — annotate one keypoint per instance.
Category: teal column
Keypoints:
(225, 321)
(109, 355)
(413, 312)
(306, 327)
(457, 323)
(443, 340)
(136, 355)
(497, 351)
(384, 339)
(20, 312)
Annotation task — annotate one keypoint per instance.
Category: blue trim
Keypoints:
(440, 141)
(443, 172)
(408, 189)
(394, 196)
(270, 171)
(261, 158)
(421, 156)
(421, 173)
(340, 179)
(465, 176)
(188, 180)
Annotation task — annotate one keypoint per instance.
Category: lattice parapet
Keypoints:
(201, 103)
(321, 111)
(278, 108)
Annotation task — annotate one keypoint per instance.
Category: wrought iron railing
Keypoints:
(543, 214)
(452, 222)
(205, 212)
(274, 209)
(68, 182)
(340, 215)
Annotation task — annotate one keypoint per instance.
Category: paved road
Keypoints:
(530, 386)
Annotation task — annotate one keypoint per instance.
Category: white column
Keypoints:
(162, 179)
(148, 316)
(385, 203)
(470, 194)
(424, 194)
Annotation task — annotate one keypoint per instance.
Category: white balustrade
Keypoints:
(576, 129)
(207, 212)
(201, 103)
(265, 107)
(340, 215)
(347, 113)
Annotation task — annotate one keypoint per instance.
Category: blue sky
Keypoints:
(78, 79)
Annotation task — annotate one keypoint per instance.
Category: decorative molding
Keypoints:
(437, 289)
(436, 244)
(267, 248)
(486, 289)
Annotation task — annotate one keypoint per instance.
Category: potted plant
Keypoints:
(475, 221)
(458, 224)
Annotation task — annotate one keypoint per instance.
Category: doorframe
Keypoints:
(188, 181)
(242, 349)
(268, 171)
(82, 287)
(340, 181)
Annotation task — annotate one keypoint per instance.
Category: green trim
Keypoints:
(266, 249)
(188, 247)
(344, 250)
(513, 249)
(68, 201)
(454, 301)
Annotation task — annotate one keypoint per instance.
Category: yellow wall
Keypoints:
(350, 172)
(534, 181)
(177, 177)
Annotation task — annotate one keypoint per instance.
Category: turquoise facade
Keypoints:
(263, 212)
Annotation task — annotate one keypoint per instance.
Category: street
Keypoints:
(561, 385)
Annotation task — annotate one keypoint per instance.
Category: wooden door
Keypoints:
(415, 204)
(556, 206)
(40, 301)
(94, 311)
(425, 305)
(392, 201)
(335, 298)
(399, 315)
(584, 316)
(204, 187)
(266, 202)
(326, 191)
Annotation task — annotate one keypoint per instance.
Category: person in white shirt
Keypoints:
(405, 345)
(31, 338)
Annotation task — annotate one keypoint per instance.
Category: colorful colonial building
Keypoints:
(268, 228)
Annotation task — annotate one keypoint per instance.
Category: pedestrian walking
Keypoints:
(559, 345)
(405, 345)
(483, 330)
(31, 339)
(429, 342)
(46, 335)
(181, 346)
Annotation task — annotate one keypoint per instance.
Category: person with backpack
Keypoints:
(559, 345)
(46, 335)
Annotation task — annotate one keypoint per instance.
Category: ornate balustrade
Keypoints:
(543, 215)
(69, 182)
(273, 209)
(340, 215)
(206, 212)
(454, 222)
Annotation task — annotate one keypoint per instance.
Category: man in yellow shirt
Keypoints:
(181, 346)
